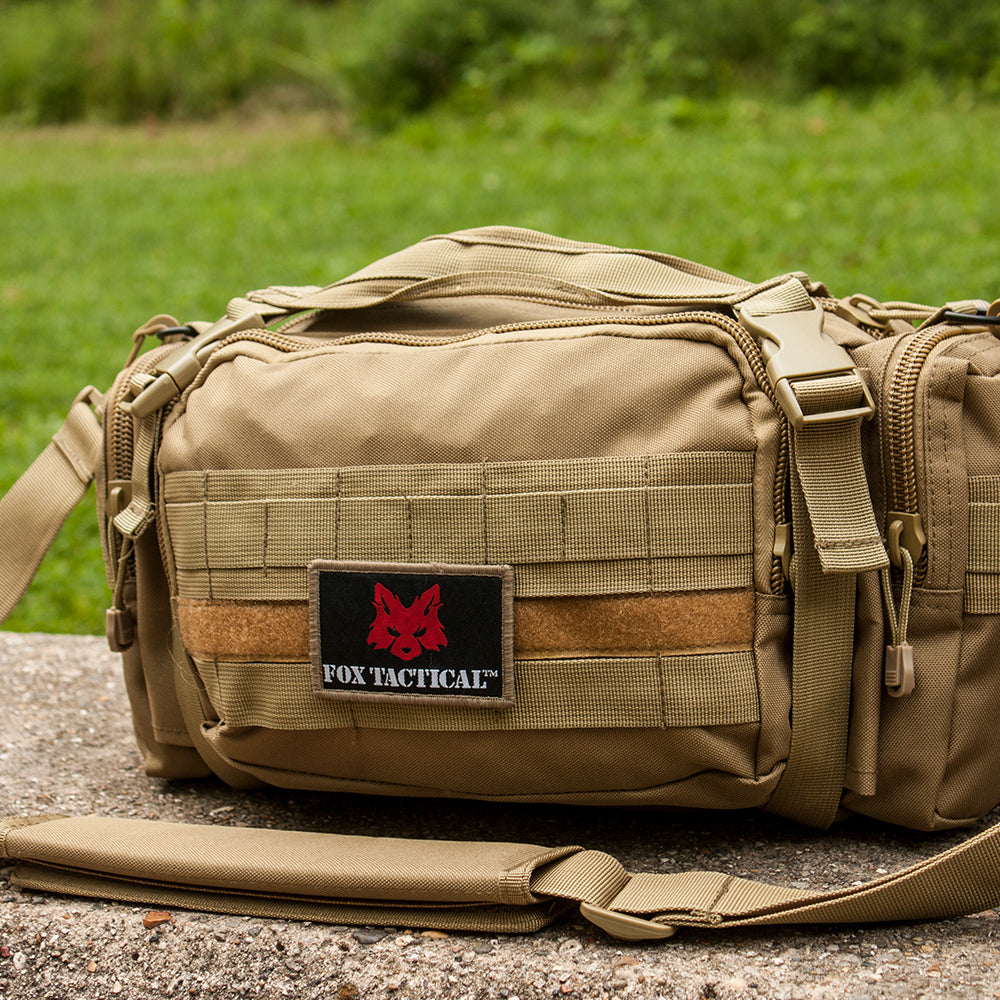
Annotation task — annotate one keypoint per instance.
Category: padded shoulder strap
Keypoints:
(37, 505)
(482, 887)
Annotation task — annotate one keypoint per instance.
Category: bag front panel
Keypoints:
(626, 513)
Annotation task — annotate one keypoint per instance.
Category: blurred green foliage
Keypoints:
(381, 60)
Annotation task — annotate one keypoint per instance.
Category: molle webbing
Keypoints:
(669, 522)
(982, 589)
(594, 693)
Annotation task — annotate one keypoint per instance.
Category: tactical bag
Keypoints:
(604, 526)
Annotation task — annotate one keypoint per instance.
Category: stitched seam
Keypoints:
(647, 510)
(336, 515)
(726, 886)
(563, 507)
(267, 528)
(853, 543)
(204, 531)
(482, 496)
(409, 528)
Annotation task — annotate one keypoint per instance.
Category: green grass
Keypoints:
(101, 228)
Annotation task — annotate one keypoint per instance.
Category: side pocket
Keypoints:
(149, 676)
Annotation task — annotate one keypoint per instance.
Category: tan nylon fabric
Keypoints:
(619, 576)
(822, 644)
(524, 919)
(153, 862)
(573, 441)
(982, 588)
(287, 862)
(516, 262)
(599, 693)
(834, 480)
(780, 296)
(35, 507)
(592, 525)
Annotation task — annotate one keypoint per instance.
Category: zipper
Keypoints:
(904, 530)
(274, 337)
(119, 622)
(121, 440)
(906, 539)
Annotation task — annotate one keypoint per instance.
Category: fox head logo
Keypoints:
(406, 631)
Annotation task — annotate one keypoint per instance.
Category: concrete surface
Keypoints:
(66, 747)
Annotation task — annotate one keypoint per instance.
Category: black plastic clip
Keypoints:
(978, 318)
(184, 332)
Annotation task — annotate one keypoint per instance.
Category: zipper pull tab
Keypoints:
(900, 678)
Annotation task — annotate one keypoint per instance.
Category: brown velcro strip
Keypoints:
(633, 624)
(544, 627)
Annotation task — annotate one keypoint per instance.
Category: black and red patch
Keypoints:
(412, 632)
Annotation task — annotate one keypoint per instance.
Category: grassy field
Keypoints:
(101, 227)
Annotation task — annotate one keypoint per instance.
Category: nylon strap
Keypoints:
(835, 537)
(822, 652)
(499, 260)
(35, 508)
(483, 887)
(833, 478)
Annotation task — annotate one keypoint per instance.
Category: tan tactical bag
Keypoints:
(604, 526)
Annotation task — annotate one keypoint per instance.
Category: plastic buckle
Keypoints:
(179, 369)
(795, 350)
(624, 925)
(979, 318)
(857, 309)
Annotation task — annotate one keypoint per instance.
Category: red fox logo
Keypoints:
(407, 631)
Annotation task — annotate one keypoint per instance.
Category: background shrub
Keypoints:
(384, 60)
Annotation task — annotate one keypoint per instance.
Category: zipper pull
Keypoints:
(899, 672)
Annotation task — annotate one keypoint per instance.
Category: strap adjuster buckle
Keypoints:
(624, 925)
(796, 350)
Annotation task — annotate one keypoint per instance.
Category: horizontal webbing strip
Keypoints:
(694, 468)
(717, 689)
(564, 627)
(513, 529)
(621, 576)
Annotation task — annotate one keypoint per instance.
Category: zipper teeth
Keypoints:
(744, 340)
(902, 414)
(748, 346)
(121, 423)
(122, 438)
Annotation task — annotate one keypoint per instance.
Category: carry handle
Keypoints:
(516, 262)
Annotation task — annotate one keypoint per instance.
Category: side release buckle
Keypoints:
(796, 349)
